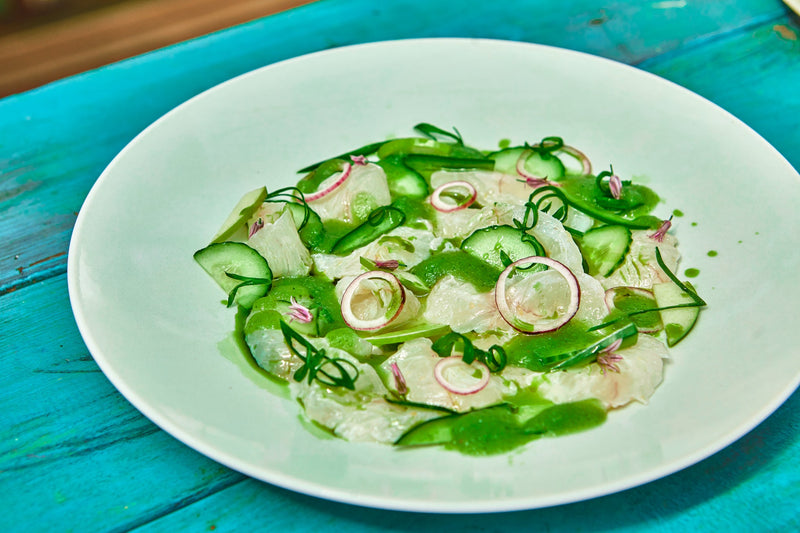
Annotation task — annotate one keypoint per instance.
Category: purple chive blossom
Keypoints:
(257, 225)
(615, 184)
(359, 159)
(536, 182)
(662, 230)
(299, 312)
(399, 380)
(609, 359)
(390, 264)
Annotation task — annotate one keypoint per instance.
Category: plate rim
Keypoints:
(320, 490)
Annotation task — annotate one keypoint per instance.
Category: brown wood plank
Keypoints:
(46, 53)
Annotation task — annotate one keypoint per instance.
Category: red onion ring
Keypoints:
(376, 323)
(532, 179)
(586, 165)
(341, 179)
(440, 205)
(508, 314)
(476, 385)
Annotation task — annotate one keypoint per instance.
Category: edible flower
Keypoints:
(299, 312)
(389, 264)
(257, 225)
(609, 359)
(662, 230)
(615, 185)
(359, 159)
(536, 182)
(399, 380)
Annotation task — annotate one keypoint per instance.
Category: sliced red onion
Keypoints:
(586, 165)
(543, 325)
(359, 324)
(359, 159)
(444, 207)
(611, 293)
(531, 179)
(332, 187)
(458, 377)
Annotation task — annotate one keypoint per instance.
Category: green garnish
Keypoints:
(494, 358)
(316, 361)
(245, 282)
(430, 131)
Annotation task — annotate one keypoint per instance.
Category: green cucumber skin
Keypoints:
(236, 258)
(486, 244)
(627, 332)
(605, 248)
(551, 168)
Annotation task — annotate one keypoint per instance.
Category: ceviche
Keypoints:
(420, 291)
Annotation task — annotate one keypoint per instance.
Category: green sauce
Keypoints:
(504, 143)
(628, 301)
(417, 211)
(235, 349)
(462, 265)
(691, 272)
(713, 253)
(315, 293)
(531, 351)
(677, 212)
(501, 429)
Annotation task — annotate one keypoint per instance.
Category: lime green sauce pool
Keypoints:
(677, 213)
(713, 253)
(691, 272)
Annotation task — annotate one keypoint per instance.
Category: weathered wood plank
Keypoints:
(56, 140)
(73, 451)
(755, 76)
(727, 490)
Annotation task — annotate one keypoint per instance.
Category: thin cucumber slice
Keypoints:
(636, 303)
(488, 244)
(379, 222)
(402, 180)
(238, 217)
(430, 433)
(312, 232)
(418, 145)
(238, 259)
(680, 321)
(605, 248)
(544, 166)
(404, 335)
(426, 164)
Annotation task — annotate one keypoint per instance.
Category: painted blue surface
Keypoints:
(75, 456)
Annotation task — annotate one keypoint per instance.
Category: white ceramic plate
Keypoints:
(152, 320)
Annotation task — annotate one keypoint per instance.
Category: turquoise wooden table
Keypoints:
(75, 456)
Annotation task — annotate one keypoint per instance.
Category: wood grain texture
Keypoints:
(42, 54)
(73, 451)
(75, 455)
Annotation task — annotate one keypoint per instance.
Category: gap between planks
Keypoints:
(36, 56)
